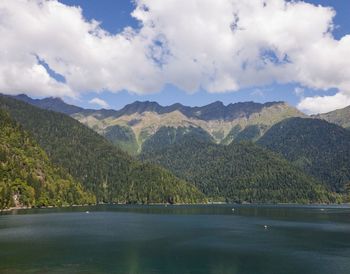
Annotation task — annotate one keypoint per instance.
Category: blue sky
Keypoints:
(115, 15)
(69, 58)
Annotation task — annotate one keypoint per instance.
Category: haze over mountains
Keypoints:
(242, 152)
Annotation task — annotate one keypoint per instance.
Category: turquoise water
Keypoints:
(177, 239)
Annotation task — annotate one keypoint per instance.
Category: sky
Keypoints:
(107, 53)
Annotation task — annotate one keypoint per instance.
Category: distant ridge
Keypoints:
(50, 103)
(135, 123)
(340, 117)
(212, 111)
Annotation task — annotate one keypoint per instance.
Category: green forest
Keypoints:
(27, 176)
(239, 172)
(50, 159)
(319, 148)
(102, 168)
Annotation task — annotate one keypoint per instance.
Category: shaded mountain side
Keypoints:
(340, 117)
(109, 173)
(239, 172)
(50, 103)
(27, 176)
(123, 137)
(166, 136)
(251, 133)
(319, 148)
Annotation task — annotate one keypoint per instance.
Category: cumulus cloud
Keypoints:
(219, 46)
(99, 102)
(322, 104)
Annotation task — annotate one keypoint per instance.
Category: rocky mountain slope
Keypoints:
(340, 117)
(134, 124)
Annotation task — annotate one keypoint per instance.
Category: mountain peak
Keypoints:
(50, 103)
(54, 99)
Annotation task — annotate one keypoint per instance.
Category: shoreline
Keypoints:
(173, 205)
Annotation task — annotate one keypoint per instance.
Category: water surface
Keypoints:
(177, 239)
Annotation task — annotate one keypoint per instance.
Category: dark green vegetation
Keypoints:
(50, 103)
(122, 137)
(166, 136)
(251, 133)
(304, 160)
(102, 168)
(239, 172)
(234, 132)
(27, 176)
(319, 148)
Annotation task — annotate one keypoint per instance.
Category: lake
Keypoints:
(177, 239)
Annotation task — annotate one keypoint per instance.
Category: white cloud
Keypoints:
(219, 46)
(323, 104)
(99, 102)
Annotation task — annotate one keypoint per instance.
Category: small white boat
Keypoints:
(87, 212)
(265, 226)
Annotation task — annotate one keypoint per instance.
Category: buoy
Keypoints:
(233, 210)
(87, 212)
(265, 226)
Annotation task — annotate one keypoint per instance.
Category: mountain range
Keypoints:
(134, 124)
(100, 167)
(147, 153)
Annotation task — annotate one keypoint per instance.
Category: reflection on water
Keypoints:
(177, 239)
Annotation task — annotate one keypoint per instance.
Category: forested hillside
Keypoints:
(319, 148)
(239, 172)
(27, 176)
(109, 173)
(166, 136)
